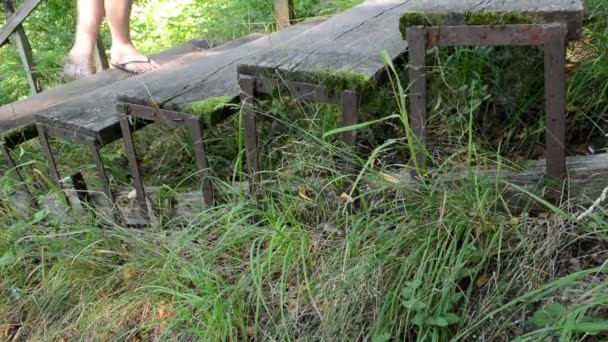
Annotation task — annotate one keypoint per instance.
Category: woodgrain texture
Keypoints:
(22, 112)
(353, 41)
(586, 181)
(193, 77)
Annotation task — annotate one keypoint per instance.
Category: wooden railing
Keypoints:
(14, 27)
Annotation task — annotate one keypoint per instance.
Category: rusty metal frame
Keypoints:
(552, 36)
(45, 132)
(6, 152)
(133, 113)
(7, 145)
(253, 87)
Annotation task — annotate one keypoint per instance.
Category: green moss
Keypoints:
(18, 135)
(338, 80)
(209, 106)
(165, 198)
(500, 18)
(213, 110)
(410, 19)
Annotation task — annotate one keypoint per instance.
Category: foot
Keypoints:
(128, 59)
(78, 66)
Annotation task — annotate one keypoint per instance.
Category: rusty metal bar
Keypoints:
(248, 91)
(46, 147)
(485, 35)
(298, 90)
(350, 115)
(63, 133)
(138, 183)
(418, 92)
(555, 101)
(155, 114)
(15, 168)
(101, 170)
(196, 130)
(193, 123)
(553, 36)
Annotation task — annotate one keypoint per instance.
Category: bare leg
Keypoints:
(80, 59)
(123, 51)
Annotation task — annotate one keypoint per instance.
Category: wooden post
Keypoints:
(284, 13)
(24, 48)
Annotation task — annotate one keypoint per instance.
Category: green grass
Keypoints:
(425, 261)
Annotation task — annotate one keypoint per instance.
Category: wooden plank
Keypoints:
(22, 112)
(17, 19)
(453, 12)
(586, 178)
(353, 41)
(284, 13)
(25, 50)
(195, 77)
(586, 182)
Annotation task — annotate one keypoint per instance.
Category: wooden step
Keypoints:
(195, 77)
(22, 112)
(350, 45)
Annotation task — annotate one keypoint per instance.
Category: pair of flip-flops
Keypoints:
(76, 71)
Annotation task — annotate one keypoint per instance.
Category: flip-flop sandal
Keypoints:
(74, 71)
(123, 66)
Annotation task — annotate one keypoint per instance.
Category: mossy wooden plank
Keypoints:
(22, 112)
(18, 135)
(195, 77)
(494, 12)
(347, 46)
(352, 42)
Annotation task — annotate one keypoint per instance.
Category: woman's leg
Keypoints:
(90, 15)
(123, 51)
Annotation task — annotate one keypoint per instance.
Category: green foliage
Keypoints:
(209, 106)
(416, 261)
(415, 18)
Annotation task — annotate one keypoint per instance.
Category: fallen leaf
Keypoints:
(292, 306)
(162, 312)
(482, 280)
(389, 178)
(347, 198)
(303, 194)
(478, 231)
